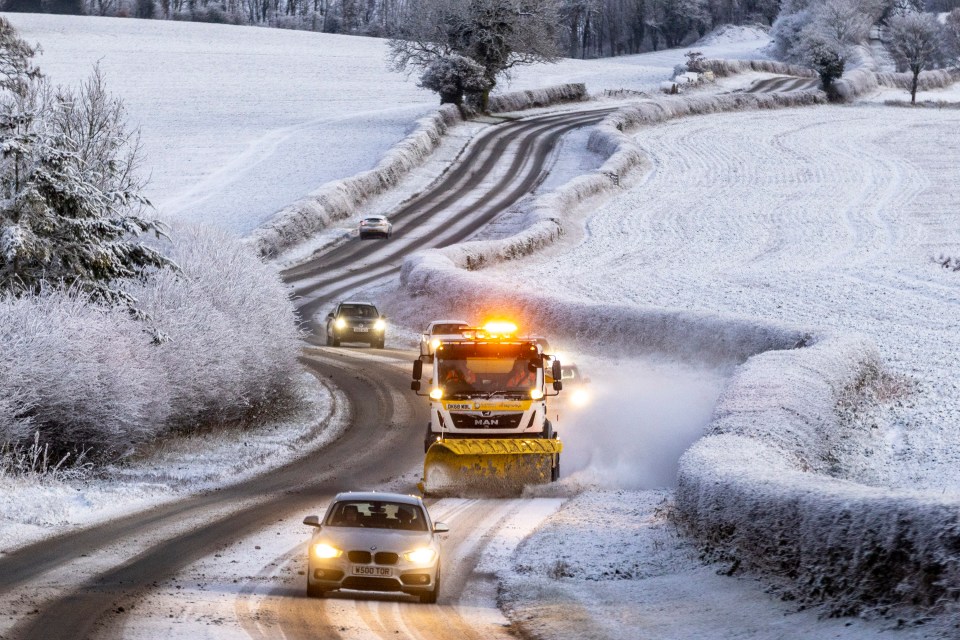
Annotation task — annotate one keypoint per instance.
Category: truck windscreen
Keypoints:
(488, 368)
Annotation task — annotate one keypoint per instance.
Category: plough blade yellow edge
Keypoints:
(489, 466)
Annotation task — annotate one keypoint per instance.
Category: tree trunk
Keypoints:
(913, 85)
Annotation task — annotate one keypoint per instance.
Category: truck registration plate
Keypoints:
(380, 572)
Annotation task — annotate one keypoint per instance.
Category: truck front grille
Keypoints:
(494, 421)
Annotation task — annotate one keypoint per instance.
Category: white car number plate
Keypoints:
(361, 330)
(379, 572)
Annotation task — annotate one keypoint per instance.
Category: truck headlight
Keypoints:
(536, 394)
(379, 325)
(325, 551)
(436, 393)
(435, 343)
(420, 556)
(340, 323)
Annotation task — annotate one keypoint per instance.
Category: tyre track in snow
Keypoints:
(78, 581)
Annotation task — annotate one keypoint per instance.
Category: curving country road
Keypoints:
(83, 583)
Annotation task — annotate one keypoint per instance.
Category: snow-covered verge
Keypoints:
(613, 564)
(220, 347)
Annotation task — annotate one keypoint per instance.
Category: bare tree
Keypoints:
(846, 22)
(916, 43)
(496, 34)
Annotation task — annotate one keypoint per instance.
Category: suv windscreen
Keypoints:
(358, 311)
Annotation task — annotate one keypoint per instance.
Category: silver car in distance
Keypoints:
(375, 542)
(375, 227)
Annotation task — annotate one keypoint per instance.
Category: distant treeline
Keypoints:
(587, 29)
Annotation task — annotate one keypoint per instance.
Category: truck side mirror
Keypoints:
(557, 385)
(415, 385)
(557, 372)
(417, 369)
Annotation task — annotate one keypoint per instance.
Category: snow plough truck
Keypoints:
(488, 431)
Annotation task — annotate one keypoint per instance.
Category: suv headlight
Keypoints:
(420, 556)
(379, 325)
(340, 323)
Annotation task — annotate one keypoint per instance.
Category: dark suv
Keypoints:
(356, 322)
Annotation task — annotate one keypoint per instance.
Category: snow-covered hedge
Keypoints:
(757, 491)
(860, 81)
(86, 376)
(724, 68)
(533, 98)
(339, 199)
(933, 79)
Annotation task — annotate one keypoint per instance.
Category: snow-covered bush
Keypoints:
(89, 376)
(451, 76)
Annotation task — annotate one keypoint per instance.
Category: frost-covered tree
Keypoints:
(826, 57)
(817, 27)
(452, 76)
(71, 209)
(916, 43)
(496, 34)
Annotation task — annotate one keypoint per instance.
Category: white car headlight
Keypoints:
(379, 325)
(324, 550)
(340, 323)
(420, 556)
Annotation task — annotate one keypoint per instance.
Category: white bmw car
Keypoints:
(375, 542)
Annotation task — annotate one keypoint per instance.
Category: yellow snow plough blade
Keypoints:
(488, 466)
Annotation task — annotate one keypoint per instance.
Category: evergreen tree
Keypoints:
(71, 211)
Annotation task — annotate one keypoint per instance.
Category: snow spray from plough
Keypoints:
(488, 432)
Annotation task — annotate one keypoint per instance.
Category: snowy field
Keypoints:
(238, 122)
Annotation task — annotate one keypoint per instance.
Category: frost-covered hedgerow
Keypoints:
(756, 490)
(339, 199)
(861, 81)
(91, 377)
(724, 68)
(932, 79)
